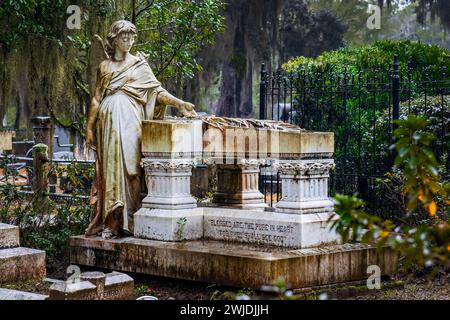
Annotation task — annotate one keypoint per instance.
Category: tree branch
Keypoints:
(145, 8)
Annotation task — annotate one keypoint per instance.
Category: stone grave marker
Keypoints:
(94, 286)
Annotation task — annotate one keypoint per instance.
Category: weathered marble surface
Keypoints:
(172, 139)
(7, 294)
(233, 264)
(237, 185)
(169, 225)
(20, 264)
(305, 186)
(168, 184)
(268, 228)
(236, 225)
(233, 144)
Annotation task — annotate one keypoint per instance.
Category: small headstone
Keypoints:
(94, 286)
(65, 290)
(6, 140)
(97, 279)
(118, 286)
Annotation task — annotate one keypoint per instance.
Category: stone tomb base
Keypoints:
(233, 264)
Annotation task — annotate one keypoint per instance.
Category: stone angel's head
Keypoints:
(121, 37)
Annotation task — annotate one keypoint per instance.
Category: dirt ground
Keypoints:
(172, 289)
(414, 290)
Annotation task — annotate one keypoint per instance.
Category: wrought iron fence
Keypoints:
(68, 179)
(359, 107)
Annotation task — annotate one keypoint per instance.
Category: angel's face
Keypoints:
(125, 41)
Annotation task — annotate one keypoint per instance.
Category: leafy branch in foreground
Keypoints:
(427, 244)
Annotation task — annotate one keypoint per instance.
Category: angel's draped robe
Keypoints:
(128, 96)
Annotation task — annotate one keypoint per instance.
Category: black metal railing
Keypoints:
(63, 174)
(359, 107)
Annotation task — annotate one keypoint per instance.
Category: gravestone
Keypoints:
(6, 141)
(94, 286)
(18, 263)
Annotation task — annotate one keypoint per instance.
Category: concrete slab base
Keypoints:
(233, 264)
(20, 264)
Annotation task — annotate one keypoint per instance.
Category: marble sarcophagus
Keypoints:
(238, 212)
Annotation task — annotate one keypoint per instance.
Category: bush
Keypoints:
(378, 56)
(427, 242)
(49, 230)
(349, 92)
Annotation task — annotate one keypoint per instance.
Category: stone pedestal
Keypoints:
(237, 185)
(240, 243)
(169, 211)
(169, 184)
(169, 225)
(305, 186)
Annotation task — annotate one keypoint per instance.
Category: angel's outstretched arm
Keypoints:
(186, 108)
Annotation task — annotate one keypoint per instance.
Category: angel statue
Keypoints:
(126, 92)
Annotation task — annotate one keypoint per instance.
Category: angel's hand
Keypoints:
(187, 109)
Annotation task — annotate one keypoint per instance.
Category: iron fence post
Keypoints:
(262, 116)
(262, 92)
(395, 102)
(395, 94)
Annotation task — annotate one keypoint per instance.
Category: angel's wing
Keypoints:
(97, 54)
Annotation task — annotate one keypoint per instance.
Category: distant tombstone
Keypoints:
(62, 140)
(6, 140)
(63, 155)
